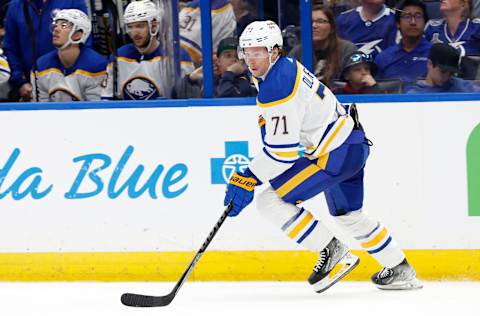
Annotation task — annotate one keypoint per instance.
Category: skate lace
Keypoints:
(321, 260)
(385, 273)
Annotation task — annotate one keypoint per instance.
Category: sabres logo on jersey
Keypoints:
(140, 88)
(62, 95)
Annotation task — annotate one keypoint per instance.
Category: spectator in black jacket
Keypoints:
(231, 75)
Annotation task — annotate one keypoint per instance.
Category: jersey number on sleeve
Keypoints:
(277, 120)
(187, 23)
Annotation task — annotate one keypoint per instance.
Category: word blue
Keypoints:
(114, 189)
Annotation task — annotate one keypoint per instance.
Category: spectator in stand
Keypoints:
(223, 25)
(371, 26)
(231, 75)
(28, 22)
(456, 28)
(244, 11)
(359, 75)
(140, 72)
(72, 72)
(330, 52)
(406, 60)
(443, 63)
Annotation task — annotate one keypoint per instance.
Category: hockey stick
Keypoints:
(139, 300)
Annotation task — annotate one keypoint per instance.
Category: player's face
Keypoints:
(60, 32)
(412, 21)
(355, 75)
(139, 33)
(226, 59)
(257, 60)
(321, 26)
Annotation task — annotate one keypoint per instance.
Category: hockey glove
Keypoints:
(240, 191)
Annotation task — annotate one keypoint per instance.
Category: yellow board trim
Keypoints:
(375, 240)
(219, 266)
(297, 179)
(288, 98)
(300, 225)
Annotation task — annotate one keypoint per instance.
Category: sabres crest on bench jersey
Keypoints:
(81, 82)
(143, 77)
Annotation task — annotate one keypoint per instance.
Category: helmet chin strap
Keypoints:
(69, 41)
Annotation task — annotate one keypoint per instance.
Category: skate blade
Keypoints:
(342, 268)
(414, 284)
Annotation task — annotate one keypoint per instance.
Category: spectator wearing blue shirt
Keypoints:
(443, 63)
(18, 42)
(456, 28)
(408, 59)
(371, 26)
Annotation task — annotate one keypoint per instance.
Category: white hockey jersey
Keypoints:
(142, 77)
(81, 82)
(299, 117)
(223, 25)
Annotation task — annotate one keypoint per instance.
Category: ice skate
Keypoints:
(335, 261)
(400, 277)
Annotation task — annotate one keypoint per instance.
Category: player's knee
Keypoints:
(356, 220)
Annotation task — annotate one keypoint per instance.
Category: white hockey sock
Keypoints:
(373, 238)
(298, 224)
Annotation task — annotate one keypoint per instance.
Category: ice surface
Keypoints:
(239, 298)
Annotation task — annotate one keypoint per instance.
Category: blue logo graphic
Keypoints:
(236, 159)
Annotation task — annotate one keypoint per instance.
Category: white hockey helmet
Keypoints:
(141, 11)
(261, 34)
(80, 21)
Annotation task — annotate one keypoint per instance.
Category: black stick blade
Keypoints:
(138, 300)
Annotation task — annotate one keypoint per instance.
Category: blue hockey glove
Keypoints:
(240, 191)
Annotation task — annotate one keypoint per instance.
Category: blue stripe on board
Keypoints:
(168, 103)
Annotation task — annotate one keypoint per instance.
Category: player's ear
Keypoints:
(77, 35)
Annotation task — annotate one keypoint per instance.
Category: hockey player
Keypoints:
(141, 69)
(73, 72)
(223, 25)
(299, 113)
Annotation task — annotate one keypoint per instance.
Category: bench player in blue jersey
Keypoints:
(312, 144)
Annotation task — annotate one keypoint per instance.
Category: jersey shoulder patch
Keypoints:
(281, 83)
(476, 20)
